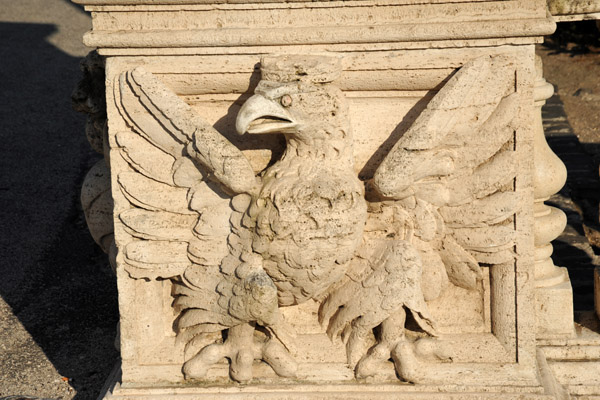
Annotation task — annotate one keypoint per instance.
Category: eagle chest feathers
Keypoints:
(307, 228)
(308, 216)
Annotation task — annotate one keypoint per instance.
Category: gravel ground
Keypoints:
(58, 308)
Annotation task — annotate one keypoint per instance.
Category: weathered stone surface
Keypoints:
(574, 10)
(350, 192)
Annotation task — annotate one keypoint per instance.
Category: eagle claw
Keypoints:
(241, 348)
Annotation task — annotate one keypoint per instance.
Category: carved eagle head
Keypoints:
(296, 98)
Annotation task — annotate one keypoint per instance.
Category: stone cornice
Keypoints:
(574, 10)
(320, 35)
(562, 7)
(172, 24)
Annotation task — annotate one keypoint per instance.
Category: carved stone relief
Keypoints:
(328, 226)
(240, 246)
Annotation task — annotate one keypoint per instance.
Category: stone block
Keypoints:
(329, 199)
(554, 311)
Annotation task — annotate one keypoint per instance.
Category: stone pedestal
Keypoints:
(332, 199)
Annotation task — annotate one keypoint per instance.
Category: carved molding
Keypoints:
(219, 27)
(574, 10)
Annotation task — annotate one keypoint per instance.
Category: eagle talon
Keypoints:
(410, 358)
(368, 365)
(242, 348)
(240, 368)
(406, 363)
(277, 356)
(197, 367)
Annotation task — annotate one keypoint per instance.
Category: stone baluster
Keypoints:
(554, 295)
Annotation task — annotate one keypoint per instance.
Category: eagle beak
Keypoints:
(262, 115)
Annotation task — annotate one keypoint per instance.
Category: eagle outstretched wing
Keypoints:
(457, 164)
(444, 200)
(189, 188)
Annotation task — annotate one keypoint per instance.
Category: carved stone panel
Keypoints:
(260, 232)
(325, 199)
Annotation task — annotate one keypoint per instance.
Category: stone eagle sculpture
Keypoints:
(238, 245)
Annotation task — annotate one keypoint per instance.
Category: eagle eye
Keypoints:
(286, 100)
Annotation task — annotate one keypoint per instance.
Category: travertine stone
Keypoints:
(574, 10)
(597, 290)
(329, 199)
(553, 292)
(240, 247)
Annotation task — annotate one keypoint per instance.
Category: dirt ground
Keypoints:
(58, 308)
(572, 63)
